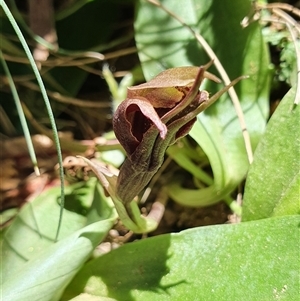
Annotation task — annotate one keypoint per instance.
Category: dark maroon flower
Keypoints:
(152, 117)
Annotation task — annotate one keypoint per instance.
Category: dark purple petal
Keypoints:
(132, 119)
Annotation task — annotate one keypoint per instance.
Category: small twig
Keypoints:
(283, 6)
(69, 100)
(75, 59)
(118, 53)
(61, 61)
(288, 19)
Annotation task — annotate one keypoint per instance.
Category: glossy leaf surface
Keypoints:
(209, 263)
(273, 182)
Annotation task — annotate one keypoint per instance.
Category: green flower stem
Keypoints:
(130, 213)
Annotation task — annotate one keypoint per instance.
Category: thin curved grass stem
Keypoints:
(47, 103)
(21, 116)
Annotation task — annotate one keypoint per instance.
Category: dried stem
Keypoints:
(68, 100)
(282, 6)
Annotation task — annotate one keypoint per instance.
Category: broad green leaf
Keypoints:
(45, 276)
(249, 261)
(163, 43)
(273, 183)
(34, 228)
